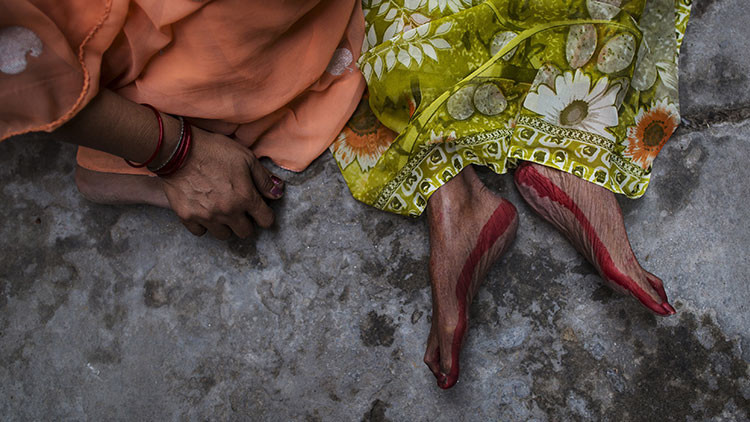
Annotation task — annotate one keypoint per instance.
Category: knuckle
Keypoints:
(254, 199)
(222, 209)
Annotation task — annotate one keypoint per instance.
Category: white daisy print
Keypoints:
(574, 104)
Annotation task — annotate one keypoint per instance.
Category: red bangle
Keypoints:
(179, 158)
(158, 145)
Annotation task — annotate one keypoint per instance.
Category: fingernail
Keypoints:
(277, 191)
(667, 307)
(276, 180)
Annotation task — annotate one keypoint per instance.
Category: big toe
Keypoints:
(658, 286)
(432, 354)
(651, 295)
(450, 347)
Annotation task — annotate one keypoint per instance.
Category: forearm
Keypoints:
(115, 125)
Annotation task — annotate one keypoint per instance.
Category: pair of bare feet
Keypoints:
(470, 229)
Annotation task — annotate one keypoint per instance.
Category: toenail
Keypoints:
(667, 307)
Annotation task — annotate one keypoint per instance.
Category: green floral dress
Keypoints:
(585, 86)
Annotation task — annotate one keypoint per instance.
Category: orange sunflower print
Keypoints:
(364, 139)
(652, 129)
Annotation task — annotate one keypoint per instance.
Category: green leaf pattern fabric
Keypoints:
(585, 86)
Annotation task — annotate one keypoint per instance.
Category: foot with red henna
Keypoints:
(470, 228)
(589, 216)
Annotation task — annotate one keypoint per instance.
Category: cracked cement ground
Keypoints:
(118, 313)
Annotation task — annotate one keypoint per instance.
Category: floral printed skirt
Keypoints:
(584, 86)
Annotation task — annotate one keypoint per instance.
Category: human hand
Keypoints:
(221, 187)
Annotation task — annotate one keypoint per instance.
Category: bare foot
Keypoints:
(470, 228)
(120, 189)
(589, 216)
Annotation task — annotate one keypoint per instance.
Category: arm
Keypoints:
(221, 186)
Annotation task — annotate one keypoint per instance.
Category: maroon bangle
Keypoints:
(179, 158)
(158, 145)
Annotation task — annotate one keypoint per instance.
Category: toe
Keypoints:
(643, 290)
(647, 298)
(448, 357)
(657, 285)
(432, 354)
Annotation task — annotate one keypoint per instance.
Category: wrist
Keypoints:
(172, 135)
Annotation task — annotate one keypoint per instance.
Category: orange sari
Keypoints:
(279, 77)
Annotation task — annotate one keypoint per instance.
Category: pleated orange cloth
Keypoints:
(279, 77)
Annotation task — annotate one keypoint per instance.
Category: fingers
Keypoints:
(194, 228)
(264, 184)
(259, 211)
(219, 231)
(241, 226)
(267, 184)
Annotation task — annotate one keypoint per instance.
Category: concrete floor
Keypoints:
(118, 313)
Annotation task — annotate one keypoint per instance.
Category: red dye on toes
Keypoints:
(529, 176)
(657, 285)
(492, 230)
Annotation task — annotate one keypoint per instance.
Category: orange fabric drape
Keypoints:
(279, 77)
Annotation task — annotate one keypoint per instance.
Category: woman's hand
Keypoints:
(221, 187)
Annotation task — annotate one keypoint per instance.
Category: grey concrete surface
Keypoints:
(118, 313)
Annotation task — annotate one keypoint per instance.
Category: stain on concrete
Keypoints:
(210, 372)
(416, 316)
(525, 276)
(676, 186)
(156, 293)
(105, 355)
(377, 330)
(700, 7)
(247, 251)
(381, 230)
(679, 371)
(671, 377)
(409, 274)
(603, 294)
(118, 315)
(99, 220)
(21, 267)
(42, 154)
(376, 412)
(344, 296)
(305, 219)
(482, 312)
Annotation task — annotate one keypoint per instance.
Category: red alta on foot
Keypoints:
(498, 225)
(541, 193)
